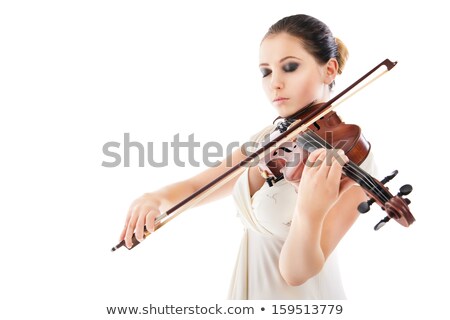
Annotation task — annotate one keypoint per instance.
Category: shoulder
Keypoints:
(256, 138)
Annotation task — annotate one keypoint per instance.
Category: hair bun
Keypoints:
(342, 54)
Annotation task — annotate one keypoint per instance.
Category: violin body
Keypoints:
(288, 161)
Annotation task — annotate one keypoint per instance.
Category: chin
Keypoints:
(285, 112)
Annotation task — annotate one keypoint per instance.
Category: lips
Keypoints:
(280, 99)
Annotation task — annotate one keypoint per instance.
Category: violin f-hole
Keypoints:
(316, 125)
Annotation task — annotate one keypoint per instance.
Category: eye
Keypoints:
(290, 67)
(265, 72)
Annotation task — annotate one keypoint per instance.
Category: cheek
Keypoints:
(305, 86)
(266, 88)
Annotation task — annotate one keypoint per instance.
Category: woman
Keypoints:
(291, 229)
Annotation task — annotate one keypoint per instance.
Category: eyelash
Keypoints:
(293, 66)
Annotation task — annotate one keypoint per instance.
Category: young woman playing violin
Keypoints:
(292, 228)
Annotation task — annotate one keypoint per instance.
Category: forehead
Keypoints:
(276, 47)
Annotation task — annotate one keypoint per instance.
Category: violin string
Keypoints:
(374, 186)
(362, 178)
(350, 166)
(323, 144)
(356, 170)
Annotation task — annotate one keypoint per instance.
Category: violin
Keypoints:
(310, 128)
(330, 132)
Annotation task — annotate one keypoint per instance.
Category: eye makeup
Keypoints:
(288, 67)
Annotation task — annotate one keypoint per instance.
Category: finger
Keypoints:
(124, 230)
(335, 172)
(130, 230)
(315, 159)
(320, 166)
(122, 234)
(315, 154)
(327, 162)
(341, 156)
(150, 220)
(334, 154)
(139, 230)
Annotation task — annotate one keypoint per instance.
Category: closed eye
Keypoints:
(265, 72)
(288, 67)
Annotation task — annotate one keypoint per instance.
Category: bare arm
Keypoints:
(340, 219)
(325, 211)
(312, 238)
(146, 208)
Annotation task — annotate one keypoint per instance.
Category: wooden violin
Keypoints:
(301, 131)
(288, 160)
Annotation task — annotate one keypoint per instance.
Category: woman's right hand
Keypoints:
(142, 212)
(146, 208)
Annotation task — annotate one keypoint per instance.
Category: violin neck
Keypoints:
(310, 141)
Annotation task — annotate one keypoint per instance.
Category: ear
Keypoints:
(330, 70)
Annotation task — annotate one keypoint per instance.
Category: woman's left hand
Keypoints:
(322, 182)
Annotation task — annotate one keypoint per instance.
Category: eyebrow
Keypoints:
(266, 64)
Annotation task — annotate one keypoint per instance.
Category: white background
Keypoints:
(76, 75)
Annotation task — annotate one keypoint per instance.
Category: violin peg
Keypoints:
(381, 223)
(389, 177)
(272, 180)
(365, 206)
(405, 190)
(407, 201)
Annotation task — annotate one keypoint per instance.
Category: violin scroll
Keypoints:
(396, 206)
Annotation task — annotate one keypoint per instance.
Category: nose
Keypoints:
(276, 81)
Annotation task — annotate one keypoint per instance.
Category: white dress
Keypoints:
(266, 218)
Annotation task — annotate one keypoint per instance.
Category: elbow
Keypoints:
(294, 282)
(294, 279)
(297, 269)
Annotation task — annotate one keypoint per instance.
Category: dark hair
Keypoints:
(315, 36)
